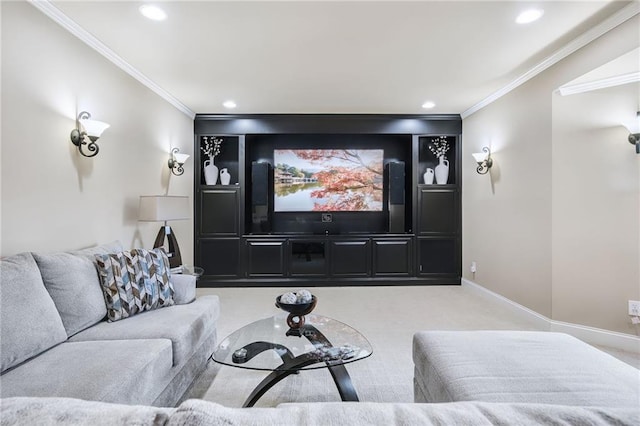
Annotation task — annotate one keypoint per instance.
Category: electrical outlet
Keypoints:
(473, 267)
(634, 308)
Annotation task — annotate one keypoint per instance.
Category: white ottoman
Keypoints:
(519, 366)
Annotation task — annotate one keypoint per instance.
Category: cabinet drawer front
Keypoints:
(439, 256)
(438, 211)
(392, 257)
(219, 212)
(351, 258)
(219, 257)
(265, 258)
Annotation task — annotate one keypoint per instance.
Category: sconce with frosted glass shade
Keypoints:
(484, 160)
(633, 126)
(176, 161)
(87, 128)
(163, 208)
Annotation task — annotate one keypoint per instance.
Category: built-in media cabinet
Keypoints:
(334, 199)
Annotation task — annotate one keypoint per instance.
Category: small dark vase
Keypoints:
(297, 311)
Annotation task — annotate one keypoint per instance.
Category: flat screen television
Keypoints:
(323, 180)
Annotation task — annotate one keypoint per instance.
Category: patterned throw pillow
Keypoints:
(135, 281)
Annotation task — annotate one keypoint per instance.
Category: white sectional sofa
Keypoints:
(56, 340)
(61, 411)
(63, 363)
(478, 378)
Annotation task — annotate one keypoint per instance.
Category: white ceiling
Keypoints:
(335, 56)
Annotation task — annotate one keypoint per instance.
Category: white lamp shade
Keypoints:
(633, 124)
(94, 128)
(181, 158)
(480, 156)
(161, 208)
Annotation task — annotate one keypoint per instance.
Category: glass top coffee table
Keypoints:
(271, 345)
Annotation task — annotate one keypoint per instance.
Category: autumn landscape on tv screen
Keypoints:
(328, 180)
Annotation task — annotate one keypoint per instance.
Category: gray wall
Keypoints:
(53, 198)
(520, 222)
(596, 208)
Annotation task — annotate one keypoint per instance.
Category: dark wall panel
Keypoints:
(328, 123)
(397, 149)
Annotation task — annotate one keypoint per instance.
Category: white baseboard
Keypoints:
(592, 335)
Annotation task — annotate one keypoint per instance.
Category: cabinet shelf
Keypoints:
(204, 186)
(227, 157)
(437, 187)
(428, 160)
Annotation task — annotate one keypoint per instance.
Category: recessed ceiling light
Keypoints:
(529, 16)
(428, 105)
(153, 12)
(229, 104)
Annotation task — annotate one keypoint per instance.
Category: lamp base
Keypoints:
(175, 259)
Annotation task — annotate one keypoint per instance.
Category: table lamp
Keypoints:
(163, 208)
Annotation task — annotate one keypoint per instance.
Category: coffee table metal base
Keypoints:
(292, 365)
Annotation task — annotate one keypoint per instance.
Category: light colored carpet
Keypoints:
(387, 316)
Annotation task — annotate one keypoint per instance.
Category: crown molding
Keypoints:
(602, 28)
(603, 83)
(46, 7)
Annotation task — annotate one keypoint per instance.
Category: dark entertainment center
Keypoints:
(394, 230)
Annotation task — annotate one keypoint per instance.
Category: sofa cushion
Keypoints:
(184, 286)
(198, 412)
(29, 321)
(90, 252)
(520, 366)
(71, 411)
(135, 281)
(73, 283)
(185, 325)
(123, 371)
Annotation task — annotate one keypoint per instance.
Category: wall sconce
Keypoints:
(634, 131)
(484, 160)
(87, 128)
(176, 161)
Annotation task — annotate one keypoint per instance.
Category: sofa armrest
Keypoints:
(184, 286)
